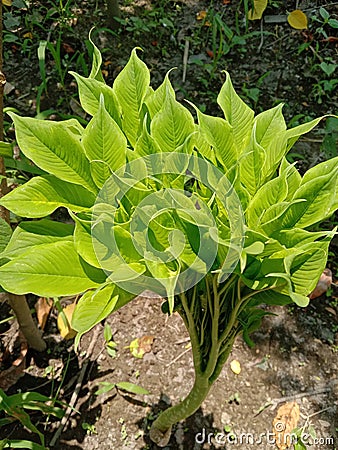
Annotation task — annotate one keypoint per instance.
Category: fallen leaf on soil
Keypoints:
(323, 284)
(11, 375)
(42, 308)
(65, 329)
(285, 421)
(259, 7)
(8, 88)
(201, 15)
(297, 19)
(140, 346)
(331, 310)
(235, 366)
(68, 48)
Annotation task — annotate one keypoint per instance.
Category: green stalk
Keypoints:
(206, 371)
(161, 428)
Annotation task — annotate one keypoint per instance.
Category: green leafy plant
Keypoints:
(15, 405)
(210, 215)
(110, 344)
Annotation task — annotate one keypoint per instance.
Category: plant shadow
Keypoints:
(194, 433)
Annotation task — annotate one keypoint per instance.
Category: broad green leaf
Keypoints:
(131, 387)
(251, 165)
(55, 270)
(172, 126)
(268, 124)
(293, 134)
(320, 169)
(270, 297)
(156, 99)
(103, 140)
(255, 248)
(269, 133)
(318, 195)
(273, 218)
(297, 236)
(145, 144)
(237, 113)
(96, 63)
(90, 91)
(305, 269)
(218, 134)
(83, 240)
(100, 172)
(93, 307)
(272, 192)
(203, 147)
(130, 88)
(5, 234)
(299, 299)
(6, 149)
(40, 196)
(293, 177)
(53, 147)
(33, 234)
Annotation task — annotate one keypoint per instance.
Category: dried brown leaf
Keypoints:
(140, 346)
(42, 308)
(285, 421)
(11, 375)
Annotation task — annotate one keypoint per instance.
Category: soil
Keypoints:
(295, 356)
(293, 359)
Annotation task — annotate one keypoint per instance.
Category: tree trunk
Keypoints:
(113, 11)
(18, 303)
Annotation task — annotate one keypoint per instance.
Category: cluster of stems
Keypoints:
(211, 313)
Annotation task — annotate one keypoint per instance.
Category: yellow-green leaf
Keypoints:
(297, 19)
(259, 7)
(7, 2)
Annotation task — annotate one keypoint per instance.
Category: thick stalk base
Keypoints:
(161, 429)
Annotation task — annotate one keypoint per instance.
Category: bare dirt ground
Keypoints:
(294, 359)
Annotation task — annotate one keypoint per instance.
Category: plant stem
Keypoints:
(209, 358)
(24, 317)
(161, 428)
(113, 11)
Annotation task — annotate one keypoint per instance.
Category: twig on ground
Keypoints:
(73, 400)
(178, 357)
(185, 60)
(275, 401)
(262, 39)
